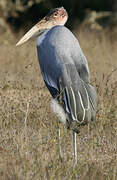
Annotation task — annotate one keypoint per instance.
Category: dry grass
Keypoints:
(28, 137)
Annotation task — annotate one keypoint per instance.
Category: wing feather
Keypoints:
(81, 100)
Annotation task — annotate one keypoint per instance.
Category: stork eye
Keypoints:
(55, 14)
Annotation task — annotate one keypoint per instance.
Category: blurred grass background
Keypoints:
(28, 134)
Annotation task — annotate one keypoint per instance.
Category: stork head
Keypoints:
(57, 16)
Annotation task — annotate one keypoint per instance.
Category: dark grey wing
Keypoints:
(81, 64)
(79, 97)
(93, 99)
(83, 69)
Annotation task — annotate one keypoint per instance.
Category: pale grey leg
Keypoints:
(59, 141)
(75, 148)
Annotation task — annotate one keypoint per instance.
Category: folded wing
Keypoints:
(79, 97)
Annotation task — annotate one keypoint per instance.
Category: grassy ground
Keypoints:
(28, 135)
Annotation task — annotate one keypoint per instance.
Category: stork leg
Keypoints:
(75, 148)
(59, 141)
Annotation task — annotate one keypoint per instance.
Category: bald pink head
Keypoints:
(59, 16)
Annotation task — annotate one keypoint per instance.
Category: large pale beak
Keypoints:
(29, 35)
(35, 31)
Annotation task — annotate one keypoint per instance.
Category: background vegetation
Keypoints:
(28, 134)
(23, 13)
